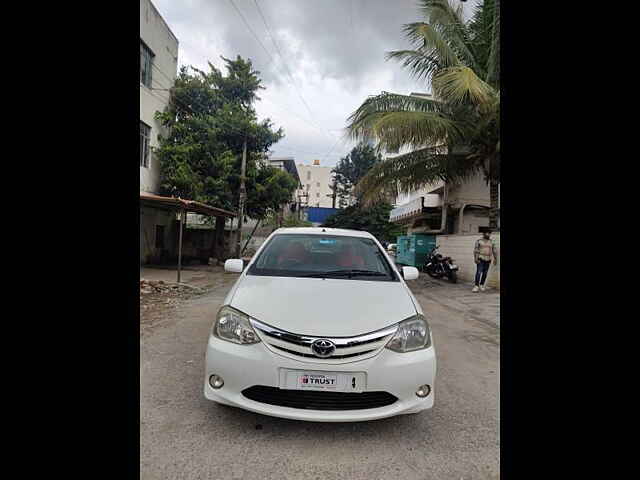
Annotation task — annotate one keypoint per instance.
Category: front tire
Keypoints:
(432, 274)
(453, 276)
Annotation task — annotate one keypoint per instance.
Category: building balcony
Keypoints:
(417, 208)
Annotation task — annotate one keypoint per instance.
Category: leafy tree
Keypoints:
(455, 134)
(351, 168)
(271, 188)
(292, 220)
(208, 118)
(373, 219)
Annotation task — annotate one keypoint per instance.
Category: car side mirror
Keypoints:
(410, 273)
(234, 265)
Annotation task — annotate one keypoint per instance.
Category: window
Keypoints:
(317, 184)
(145, 135)
(308, 175)
(308, 186)
(308, 255)
(146, 60)
(160, 236)
(317, 194)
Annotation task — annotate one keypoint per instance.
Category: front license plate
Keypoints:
(325, 381)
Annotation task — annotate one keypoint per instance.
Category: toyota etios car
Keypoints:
(321, 326)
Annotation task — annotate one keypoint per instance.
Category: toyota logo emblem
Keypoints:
(323, 348)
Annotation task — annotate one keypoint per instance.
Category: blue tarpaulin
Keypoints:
(320, 214)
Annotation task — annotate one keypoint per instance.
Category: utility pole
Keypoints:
(243, 198)
(335, 189)
(304, 195)
(334, 194)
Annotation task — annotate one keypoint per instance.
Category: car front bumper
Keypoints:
(243, 366)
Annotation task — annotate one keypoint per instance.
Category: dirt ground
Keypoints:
(161, 297)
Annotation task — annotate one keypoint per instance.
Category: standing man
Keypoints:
(482, 253)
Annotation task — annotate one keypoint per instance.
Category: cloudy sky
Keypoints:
(319, 59)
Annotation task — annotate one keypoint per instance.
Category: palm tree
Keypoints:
(453, 134)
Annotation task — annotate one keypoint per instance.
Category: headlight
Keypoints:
(413, 334)
(234, 326)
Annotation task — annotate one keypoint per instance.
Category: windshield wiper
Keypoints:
(346, 273)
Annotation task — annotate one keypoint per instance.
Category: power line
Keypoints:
(270, 101)
(153, 65)
(334, 146)
(188, 107)
(294, 150)
(271, 57)
(250, 29)
(295, 115)
(275, 44)
(206, 108)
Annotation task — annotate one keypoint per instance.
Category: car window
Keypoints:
(305, 255)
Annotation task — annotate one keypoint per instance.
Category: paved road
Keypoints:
(184, 436)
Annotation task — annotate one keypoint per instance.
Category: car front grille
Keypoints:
(311, 355)
(316, 400)
(347, 349)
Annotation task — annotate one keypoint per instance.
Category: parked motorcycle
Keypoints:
(438, 266)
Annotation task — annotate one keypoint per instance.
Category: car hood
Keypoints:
(323, 308)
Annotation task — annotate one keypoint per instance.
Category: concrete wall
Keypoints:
(158, 37)
(310, 177)
(475, 190)
(471, 222)
(149, 219)
(460, 248)
(197, 242)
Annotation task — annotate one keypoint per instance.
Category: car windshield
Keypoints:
(320, 256)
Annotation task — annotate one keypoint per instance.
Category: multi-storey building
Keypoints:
(316, 183)
(454, 208)
(158, 68)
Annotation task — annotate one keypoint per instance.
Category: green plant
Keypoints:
(371, 218)
(208, 119)
(351, 168)
(454, 134)
(294, 221)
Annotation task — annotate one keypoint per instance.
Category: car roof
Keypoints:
(324, 231)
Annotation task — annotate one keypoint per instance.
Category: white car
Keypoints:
(321, 326)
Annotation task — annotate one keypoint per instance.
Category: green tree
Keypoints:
(351, 168)
(456, 133)
(373, 219)
(292, 220)
(208, 118)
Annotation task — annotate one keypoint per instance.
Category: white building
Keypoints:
(316, 185)
(158, 68)
(466, 205)
(467, 208)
